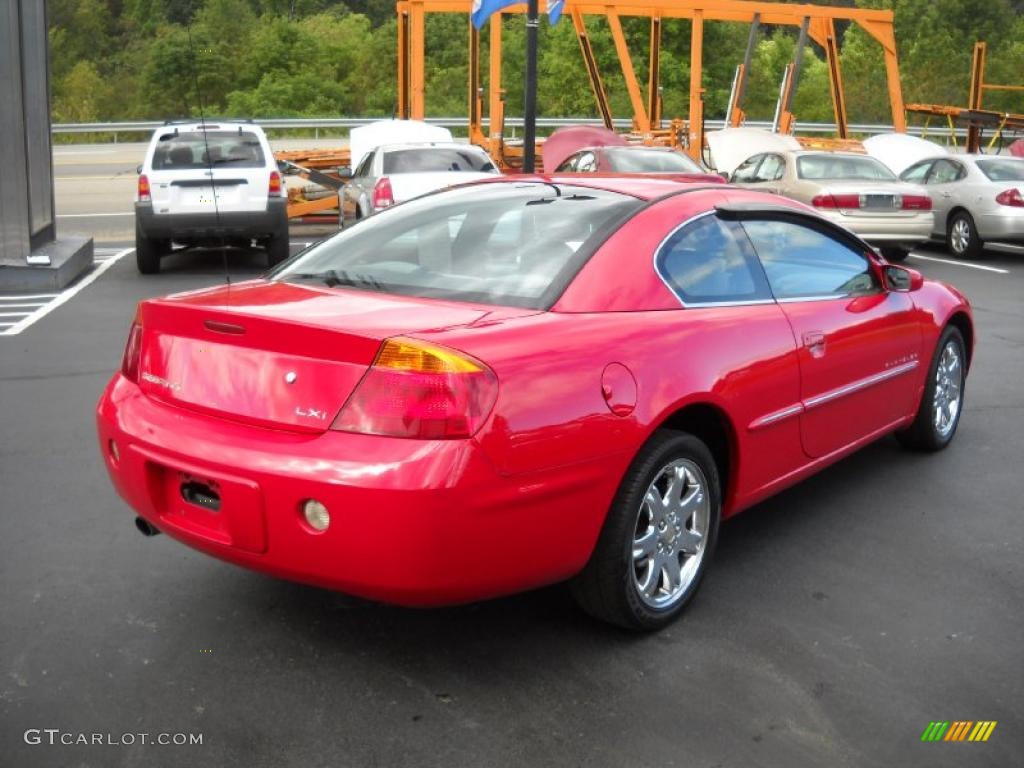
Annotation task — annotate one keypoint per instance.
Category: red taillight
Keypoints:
(917, 203)
(144, 194)
(382, 194)
(422, 391)
(836, 201)
(1011, 197)
(276, 188)
(132, 354)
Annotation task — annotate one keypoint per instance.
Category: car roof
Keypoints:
(641, 186)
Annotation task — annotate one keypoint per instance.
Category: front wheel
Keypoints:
(962, 236)
(658, 538)
(943, 400)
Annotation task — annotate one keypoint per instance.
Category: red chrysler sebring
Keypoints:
(519, 382)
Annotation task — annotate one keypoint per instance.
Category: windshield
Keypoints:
(1003, 169)
(434, 159)
(200, 149)
(650, 161)
(847, 167)
(508, 244)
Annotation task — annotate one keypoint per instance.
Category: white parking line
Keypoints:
(57, 299)
(997, 270)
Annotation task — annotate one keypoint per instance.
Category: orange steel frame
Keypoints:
(820, 22)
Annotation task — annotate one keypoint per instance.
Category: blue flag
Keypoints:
(484, 9)
(555, 8)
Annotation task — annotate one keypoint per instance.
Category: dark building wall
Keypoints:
(26, 173)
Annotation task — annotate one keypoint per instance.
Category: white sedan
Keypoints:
(393, 173)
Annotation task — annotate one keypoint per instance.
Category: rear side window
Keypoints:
(771, 169)
(805, 263)
(200, 149)
(1002, 169)
(437, 159)
(709, 261)
(507, 244)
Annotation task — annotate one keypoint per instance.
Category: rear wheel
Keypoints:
(895, 255)
(943, 400)
(962, 236)
(148, 252)
(658, 537)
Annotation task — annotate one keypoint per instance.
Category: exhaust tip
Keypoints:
(145, 527)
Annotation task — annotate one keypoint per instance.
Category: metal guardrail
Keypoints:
(317, 124)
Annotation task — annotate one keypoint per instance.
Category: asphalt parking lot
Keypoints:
(840, 618)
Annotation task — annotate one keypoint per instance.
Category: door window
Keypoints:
(710, 261)
(944, 172)
(587, 163)
(363, 170)
(746, 170)
(771, 168)
(806, 263)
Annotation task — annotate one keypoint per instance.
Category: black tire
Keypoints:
(924, 434)
(608, 587)
(148, 253)
(962, 236)
(277, 247)
(895, 255)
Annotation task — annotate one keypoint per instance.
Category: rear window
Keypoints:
(437, 159)
(825, 166)
(508, 244)
(200, 149)
(651, 161)
(1002, 169)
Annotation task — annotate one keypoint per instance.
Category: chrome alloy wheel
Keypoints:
(671, 533)
(949, 381)
(960, 236)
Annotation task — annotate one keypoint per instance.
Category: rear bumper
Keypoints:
(412, 522)
(885, 230)
(1005, 226)
(251, 224)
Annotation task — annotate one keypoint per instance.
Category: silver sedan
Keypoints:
(977, 199)
(853, 190)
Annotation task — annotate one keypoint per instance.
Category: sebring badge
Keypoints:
(147, 376)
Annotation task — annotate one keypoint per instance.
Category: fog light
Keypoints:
(115, 454)
(316, 515)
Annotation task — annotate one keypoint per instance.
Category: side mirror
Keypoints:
(902, 278)
(345, 172)
(138, 168)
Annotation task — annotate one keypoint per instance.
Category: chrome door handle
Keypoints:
(815, 343)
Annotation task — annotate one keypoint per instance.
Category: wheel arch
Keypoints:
(962, 323)
(953, 212)
(710, 424)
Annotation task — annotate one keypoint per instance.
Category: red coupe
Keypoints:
(519, 382)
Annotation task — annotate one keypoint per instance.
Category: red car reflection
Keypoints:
(519, 382)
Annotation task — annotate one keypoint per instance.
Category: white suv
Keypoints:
(206, 183)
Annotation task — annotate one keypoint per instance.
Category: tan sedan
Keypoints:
(855, 191)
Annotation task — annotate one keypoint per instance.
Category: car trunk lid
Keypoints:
(276, 354)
